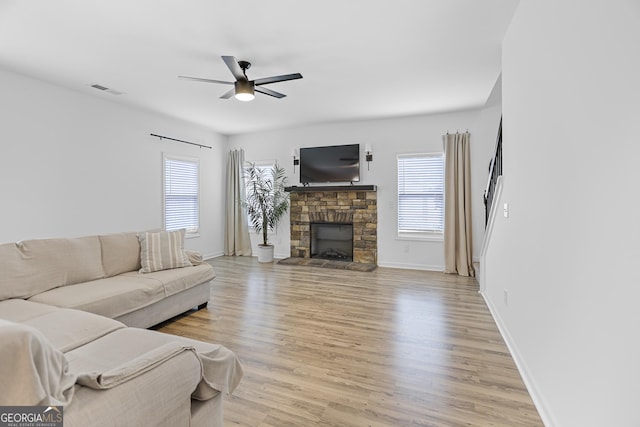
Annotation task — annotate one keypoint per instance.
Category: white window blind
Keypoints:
(421, 193)
(181, 193)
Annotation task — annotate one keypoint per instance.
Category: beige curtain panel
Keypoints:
(237, 241)
(458, 256)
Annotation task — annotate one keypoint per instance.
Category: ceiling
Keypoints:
(360, 58)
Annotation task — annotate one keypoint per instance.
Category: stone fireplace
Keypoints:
(355, 206)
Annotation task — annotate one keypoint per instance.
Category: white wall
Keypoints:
(73, 165)
(388, 138)
(567, 255)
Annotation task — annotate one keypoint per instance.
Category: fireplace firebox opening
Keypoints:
(332, 241)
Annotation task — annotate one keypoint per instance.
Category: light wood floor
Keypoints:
(327, 347)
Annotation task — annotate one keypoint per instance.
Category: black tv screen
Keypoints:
(337, 163)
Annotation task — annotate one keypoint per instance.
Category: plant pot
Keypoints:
(265, 253)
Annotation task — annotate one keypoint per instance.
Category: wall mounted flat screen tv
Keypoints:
(337, 163)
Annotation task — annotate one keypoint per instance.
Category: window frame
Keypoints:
(190, 233)
(421, 235)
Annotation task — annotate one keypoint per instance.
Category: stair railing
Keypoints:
(495, 170)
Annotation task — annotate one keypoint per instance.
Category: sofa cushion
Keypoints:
(34, 266)
(19, 310)
(178, 279)
(111, 297)
(120, 253)
(162, 250)
(65, 328)
(68, 329)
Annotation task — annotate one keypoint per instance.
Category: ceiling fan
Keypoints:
(243, 87)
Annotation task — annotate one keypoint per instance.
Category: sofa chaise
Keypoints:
(71, 319)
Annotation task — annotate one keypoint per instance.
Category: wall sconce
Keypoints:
(296, 159)
(368, 151)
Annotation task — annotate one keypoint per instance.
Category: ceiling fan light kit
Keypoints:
(244, 89)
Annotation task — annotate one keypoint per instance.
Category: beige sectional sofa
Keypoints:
(100, 274)
(71, 313)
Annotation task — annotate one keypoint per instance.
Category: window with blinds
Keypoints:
(420, 194)
(181, 193)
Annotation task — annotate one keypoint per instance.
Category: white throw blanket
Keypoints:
(220, 369)
(33, 372)
(138, 366)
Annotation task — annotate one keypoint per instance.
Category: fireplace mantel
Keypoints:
(311, 189)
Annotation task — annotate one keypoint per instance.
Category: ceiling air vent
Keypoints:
(106, 89)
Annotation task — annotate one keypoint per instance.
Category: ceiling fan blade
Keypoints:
(275, 79)
(232, 63)
(269, 92)
(198, 79)
(228, 94)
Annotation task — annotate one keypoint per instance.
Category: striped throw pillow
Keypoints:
(162, 250)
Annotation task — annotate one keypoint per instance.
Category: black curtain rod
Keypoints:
(179, 140)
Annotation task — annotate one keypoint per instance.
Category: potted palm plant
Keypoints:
(266, 203)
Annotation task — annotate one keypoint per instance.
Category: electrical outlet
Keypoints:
(506, 297)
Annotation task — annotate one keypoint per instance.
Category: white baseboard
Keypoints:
(212, 255)
(534, 392)
(411, 266)
(219, 254)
